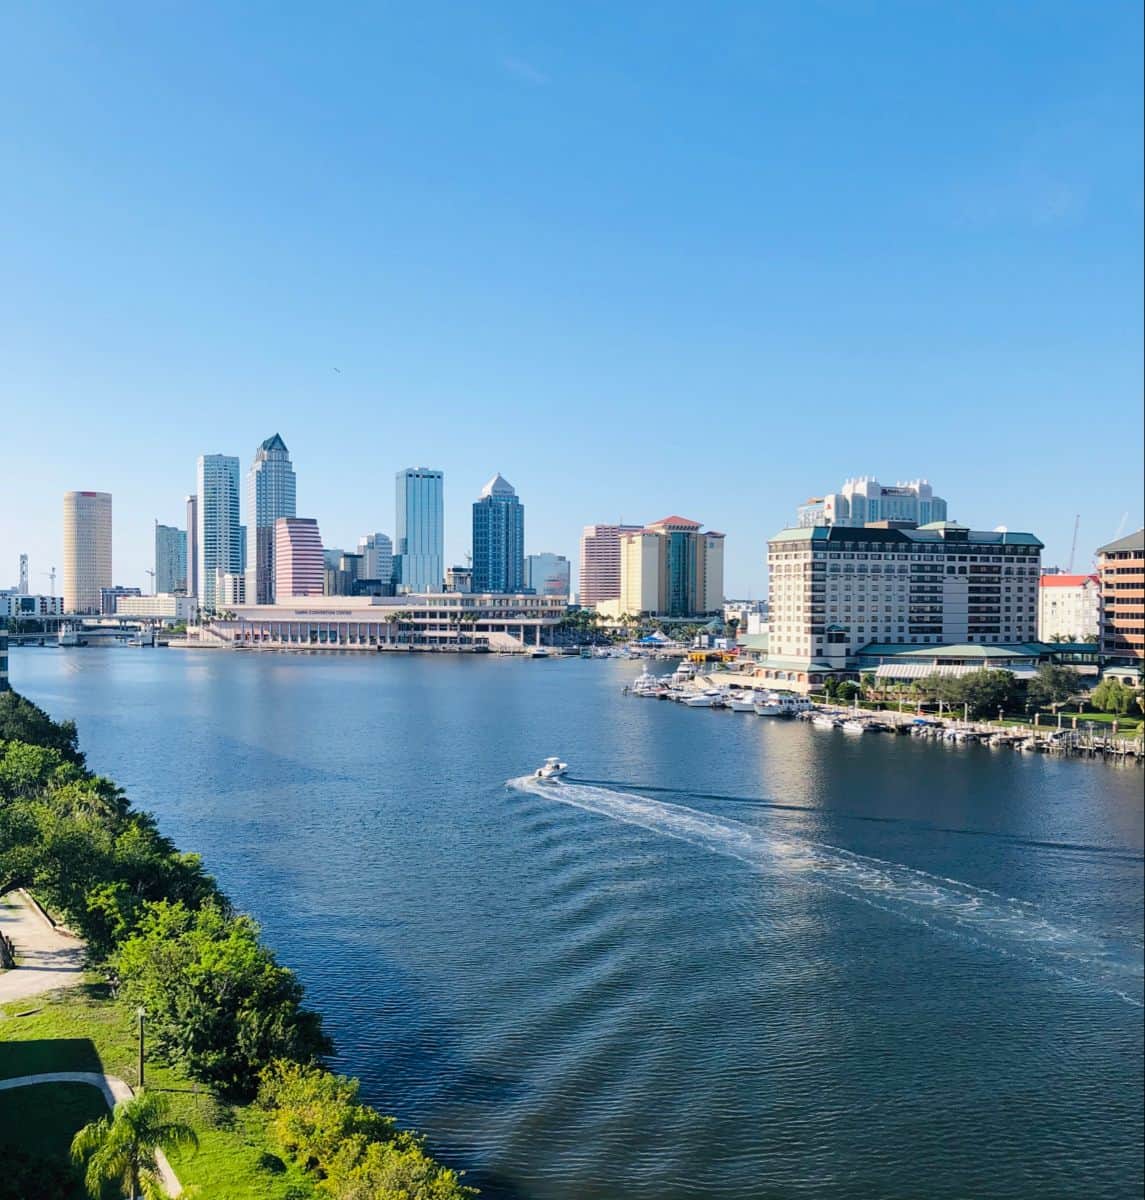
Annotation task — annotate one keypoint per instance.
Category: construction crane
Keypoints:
(1073, 544)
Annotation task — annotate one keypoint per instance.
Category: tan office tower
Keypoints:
(87, 549)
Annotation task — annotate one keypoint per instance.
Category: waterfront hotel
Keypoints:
(835, 591)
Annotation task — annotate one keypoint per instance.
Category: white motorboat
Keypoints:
(854, 726)
(700, 700)
(740, 704)
(825, 721)
(782, 704)
(551, 769)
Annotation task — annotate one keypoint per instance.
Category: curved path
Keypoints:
(47, 959)
(114, 1091)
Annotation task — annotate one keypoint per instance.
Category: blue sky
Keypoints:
(642, 259)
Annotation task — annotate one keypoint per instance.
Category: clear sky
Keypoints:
(643, 259)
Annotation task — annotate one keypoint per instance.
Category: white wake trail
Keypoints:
(1001, 924)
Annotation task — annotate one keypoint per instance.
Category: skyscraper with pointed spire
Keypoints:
(498, 538)
(270, 495)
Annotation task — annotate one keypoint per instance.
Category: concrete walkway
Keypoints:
(114, 1092)
(47, 959)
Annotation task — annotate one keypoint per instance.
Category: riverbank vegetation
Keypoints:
(982, 694)
(220, 1009)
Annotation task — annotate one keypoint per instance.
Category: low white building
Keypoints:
(434, 620)
(1069, 607)
(164, 606)
(15, 604)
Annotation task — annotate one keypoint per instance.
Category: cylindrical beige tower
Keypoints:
(87, 549)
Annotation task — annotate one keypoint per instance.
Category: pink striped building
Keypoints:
(299, 569)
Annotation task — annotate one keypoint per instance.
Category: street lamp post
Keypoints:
(140, 1013)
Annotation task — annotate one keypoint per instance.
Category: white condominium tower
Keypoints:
(87, 549)
(865, 499)
(219, 535)
(600, 562)
(419, 555)
(270, 495)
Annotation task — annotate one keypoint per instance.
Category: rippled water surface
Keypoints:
(733, 957)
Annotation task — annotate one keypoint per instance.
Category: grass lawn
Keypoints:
(83, 1030)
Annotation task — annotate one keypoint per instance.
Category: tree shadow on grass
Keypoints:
(43, 1055)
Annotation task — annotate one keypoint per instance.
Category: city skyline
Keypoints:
(458, 547)
(823, 251)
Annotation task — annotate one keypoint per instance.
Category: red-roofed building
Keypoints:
(1069, 608)
(671, 569)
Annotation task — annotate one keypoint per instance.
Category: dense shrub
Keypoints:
(352, 1151)
(217, 1000)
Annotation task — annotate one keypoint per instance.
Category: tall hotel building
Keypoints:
(865, 499)
(498, 539)
(219, 534)
(270, 495)
(837, 591)
(671, 569)
(87, 550)
(419, 555)
(1121, 567)
(299, 564)
(170, 559)
(600, 562)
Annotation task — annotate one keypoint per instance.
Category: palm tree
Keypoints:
(120, 1149)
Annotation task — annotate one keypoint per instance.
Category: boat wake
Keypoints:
(949, 907)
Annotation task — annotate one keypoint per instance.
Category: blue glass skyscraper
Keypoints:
(498, 539)
(419, 550)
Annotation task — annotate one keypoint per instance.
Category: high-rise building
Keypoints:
(1121, 566)
(419, 551)
(299, 569)
(3, 654)
(672, 569)
(498, 538)
(377, 553)
(193, 546)
(548, 575)
(834, 590)
(1069, 607)
(87, 549)
(170, 559)
(219, 532)
(865, 499)
(600, 562)
(270, 495)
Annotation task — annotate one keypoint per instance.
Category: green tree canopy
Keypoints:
(1053, 684)
(23, 721)
(217, 999)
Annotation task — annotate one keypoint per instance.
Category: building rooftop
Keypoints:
(498, 486)
(1067, 580)
(1135, 541)
(682, 522)
(933, 534)
(274, 442)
